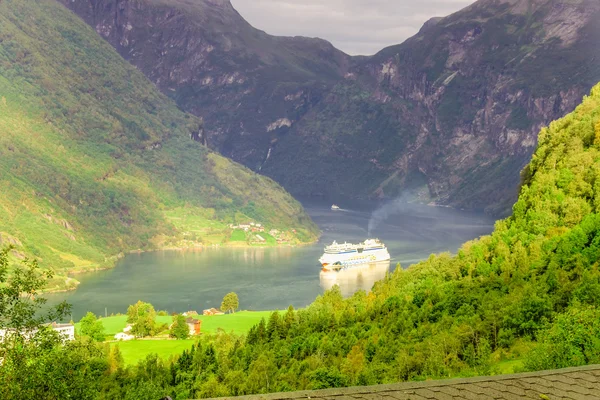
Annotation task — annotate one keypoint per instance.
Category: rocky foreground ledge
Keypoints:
(568, 383)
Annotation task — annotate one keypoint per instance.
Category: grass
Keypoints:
(270, 240)
(239, 322)
(508, 367)
(238, 235)
(136, 350)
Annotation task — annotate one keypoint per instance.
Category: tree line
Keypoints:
(142, 317)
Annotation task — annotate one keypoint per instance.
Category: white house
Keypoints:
(66, 331)
(124, 336)
(190, 313)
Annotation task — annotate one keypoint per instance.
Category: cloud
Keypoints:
(354, 26)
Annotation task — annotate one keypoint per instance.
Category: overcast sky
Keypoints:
(354, 26)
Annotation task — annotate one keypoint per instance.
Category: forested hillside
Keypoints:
(94, 161)
(529, 294)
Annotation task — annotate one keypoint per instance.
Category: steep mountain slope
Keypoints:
(452, 111)
(95, 161)
(473, 90)
(214, 64)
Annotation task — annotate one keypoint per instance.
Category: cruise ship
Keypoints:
(342, 255)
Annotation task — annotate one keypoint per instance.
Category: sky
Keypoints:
(357, 27)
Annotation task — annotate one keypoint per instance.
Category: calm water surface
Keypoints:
(274, 278)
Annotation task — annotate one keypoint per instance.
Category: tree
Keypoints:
(230, 302)
(572, 340)
(143, 317)
(90, 326)
(36, 364)
(274, 327)
(261, 373)
(115, 358)
(20, 305)
(179, 328)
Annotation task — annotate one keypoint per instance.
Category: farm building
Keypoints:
(194, 325)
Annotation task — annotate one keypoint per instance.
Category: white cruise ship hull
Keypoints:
(352, 258)
(353, 278)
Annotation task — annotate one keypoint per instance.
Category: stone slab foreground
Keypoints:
(578, 383)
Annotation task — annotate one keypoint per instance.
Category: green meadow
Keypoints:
(239, 322)
(135, 350)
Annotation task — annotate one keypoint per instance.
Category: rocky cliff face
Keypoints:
(453, 112)
(247, 85)
(476, 87)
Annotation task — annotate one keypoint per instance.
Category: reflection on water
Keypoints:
(273, 278)
(351, 280)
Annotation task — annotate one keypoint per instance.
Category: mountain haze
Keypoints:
(452, 112)
(95, 161)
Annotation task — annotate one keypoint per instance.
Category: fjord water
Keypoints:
(274, 278)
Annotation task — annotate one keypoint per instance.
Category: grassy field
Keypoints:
(136, 350)
(239, 323)
(238, 235)
(270, 240)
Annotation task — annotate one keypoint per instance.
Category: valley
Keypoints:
(151, 246)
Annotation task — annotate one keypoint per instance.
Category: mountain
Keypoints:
(95, 161)
(206, 57)
(452, 113)
(473, 89)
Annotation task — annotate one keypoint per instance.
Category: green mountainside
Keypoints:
(94, 161)
(526, 297)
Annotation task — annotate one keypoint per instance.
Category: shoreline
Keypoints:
(85, 271)
(195, 246)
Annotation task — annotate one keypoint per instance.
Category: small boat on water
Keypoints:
(343, 255)
(334, 207)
